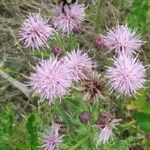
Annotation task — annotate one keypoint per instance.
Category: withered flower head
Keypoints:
(104, 119)
(92, 86)
(106, 122)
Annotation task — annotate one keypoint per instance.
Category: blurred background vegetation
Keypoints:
(21, 115)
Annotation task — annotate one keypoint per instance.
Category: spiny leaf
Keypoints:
(32, 132)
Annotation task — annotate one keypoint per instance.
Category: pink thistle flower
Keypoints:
(79, 64)
(123, 39)
(70, 20)
(51, 140)
(106, 132)
(127, 75)
(35, 32)
(50, 79)
(77, 12)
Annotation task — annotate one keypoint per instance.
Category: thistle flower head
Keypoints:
(77, 11)
(51, 140)
(107, 133)
(123, 39)
(127, 75)
(35, 32)
(79, 64)
(50, 79)
(106, 122)
(70, 19)
(92, 86)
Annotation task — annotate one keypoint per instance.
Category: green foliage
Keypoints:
(141, 110)
(143, 120)
(141, 103)
(32, 132)
(121, 144)
(16, 135)
(6, 127)
(138, 17)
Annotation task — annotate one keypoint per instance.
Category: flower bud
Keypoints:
(99, 42)
(57, 51)
(84, 117)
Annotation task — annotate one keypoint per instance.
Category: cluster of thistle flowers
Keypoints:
(53, 78)
(36, 31)
(127, 75)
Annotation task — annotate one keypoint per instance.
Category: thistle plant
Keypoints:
(94, 84)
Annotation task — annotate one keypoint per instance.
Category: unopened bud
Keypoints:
(99, 42)
(84, 117)
(57, 51)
